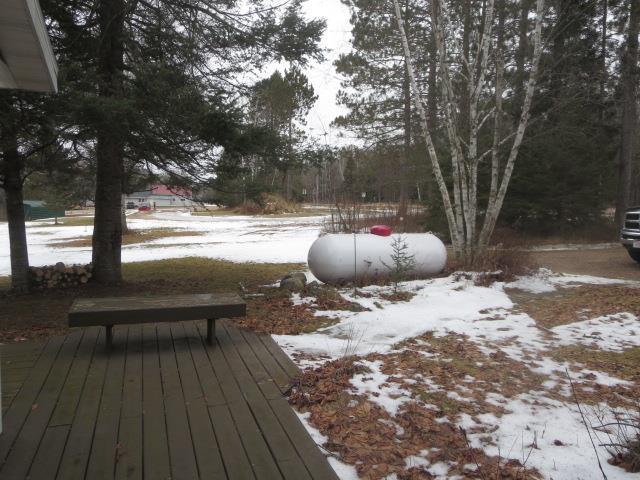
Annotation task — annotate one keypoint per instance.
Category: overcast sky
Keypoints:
(323, 76)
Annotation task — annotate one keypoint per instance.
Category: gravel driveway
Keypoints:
(612, 262)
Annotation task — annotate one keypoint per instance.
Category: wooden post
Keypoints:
(210, 332)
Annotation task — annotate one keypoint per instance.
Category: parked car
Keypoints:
(630, 233)
(145, 207)
(131, 205)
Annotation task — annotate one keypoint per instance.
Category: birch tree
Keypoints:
(471, 68)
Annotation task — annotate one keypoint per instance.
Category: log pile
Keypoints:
(60, 275)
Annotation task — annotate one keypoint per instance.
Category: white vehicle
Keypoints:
(630, 233)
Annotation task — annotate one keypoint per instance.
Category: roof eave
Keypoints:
(26, 56)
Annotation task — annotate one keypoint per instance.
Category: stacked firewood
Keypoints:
(60, 275)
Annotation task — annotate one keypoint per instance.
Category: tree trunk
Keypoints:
(426, 131)
(603, 58)
(123, 214)
(432, 92)
(521, 54)
(404, 162)
(629, 79)
(107, 231)
(462, 212)
(499, 90)
(15, 216)
(287, 178)
(463, 127)
(493, 211)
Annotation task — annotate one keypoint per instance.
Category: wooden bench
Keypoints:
(107, 312)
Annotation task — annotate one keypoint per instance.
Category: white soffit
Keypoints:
(27, 61)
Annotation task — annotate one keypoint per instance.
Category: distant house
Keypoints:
(162, 196)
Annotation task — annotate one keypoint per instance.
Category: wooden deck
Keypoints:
(160, 405)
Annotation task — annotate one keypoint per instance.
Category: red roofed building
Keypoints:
(160, 195)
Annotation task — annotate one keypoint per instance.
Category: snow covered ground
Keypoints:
(546, 416)
(236, 238)
(448, 307)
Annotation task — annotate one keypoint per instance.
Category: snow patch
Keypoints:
(234, 238)
(613, 333)
(545, 280)
(374, 385)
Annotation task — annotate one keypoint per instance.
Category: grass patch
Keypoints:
(66, 222)
(131, 237)
(204, 274)
(624, 365)
(218, 212)
(222, 212)
(569, 305)
(44, 313)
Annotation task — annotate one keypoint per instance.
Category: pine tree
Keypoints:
(566, 174)
(281, 103)
(402, 263)
(156, 84)
(376, 90)
(28, 139)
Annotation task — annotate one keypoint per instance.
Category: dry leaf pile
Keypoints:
(275, 312)
(365, 435)
(278, 315)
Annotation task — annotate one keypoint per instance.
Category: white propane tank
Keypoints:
(341, 257)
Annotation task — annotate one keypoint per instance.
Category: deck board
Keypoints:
(257, 393)
(255, 446)
(155, 448)
(162, 404)
(129, 462)
(181, 452)
(22, 405)
(27, 442)
(75, 456)
(205, 445)
(105, 448)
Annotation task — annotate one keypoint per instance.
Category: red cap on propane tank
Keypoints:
(381, 230)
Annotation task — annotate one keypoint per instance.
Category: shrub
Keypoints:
(623, 438)
(508, 256)
(268, 204)
(348, 216)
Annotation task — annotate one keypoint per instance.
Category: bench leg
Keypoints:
(109, 337)
(211, 325)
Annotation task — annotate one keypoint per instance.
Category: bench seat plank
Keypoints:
(87, 312)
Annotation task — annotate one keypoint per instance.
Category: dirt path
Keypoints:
(610, 262)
